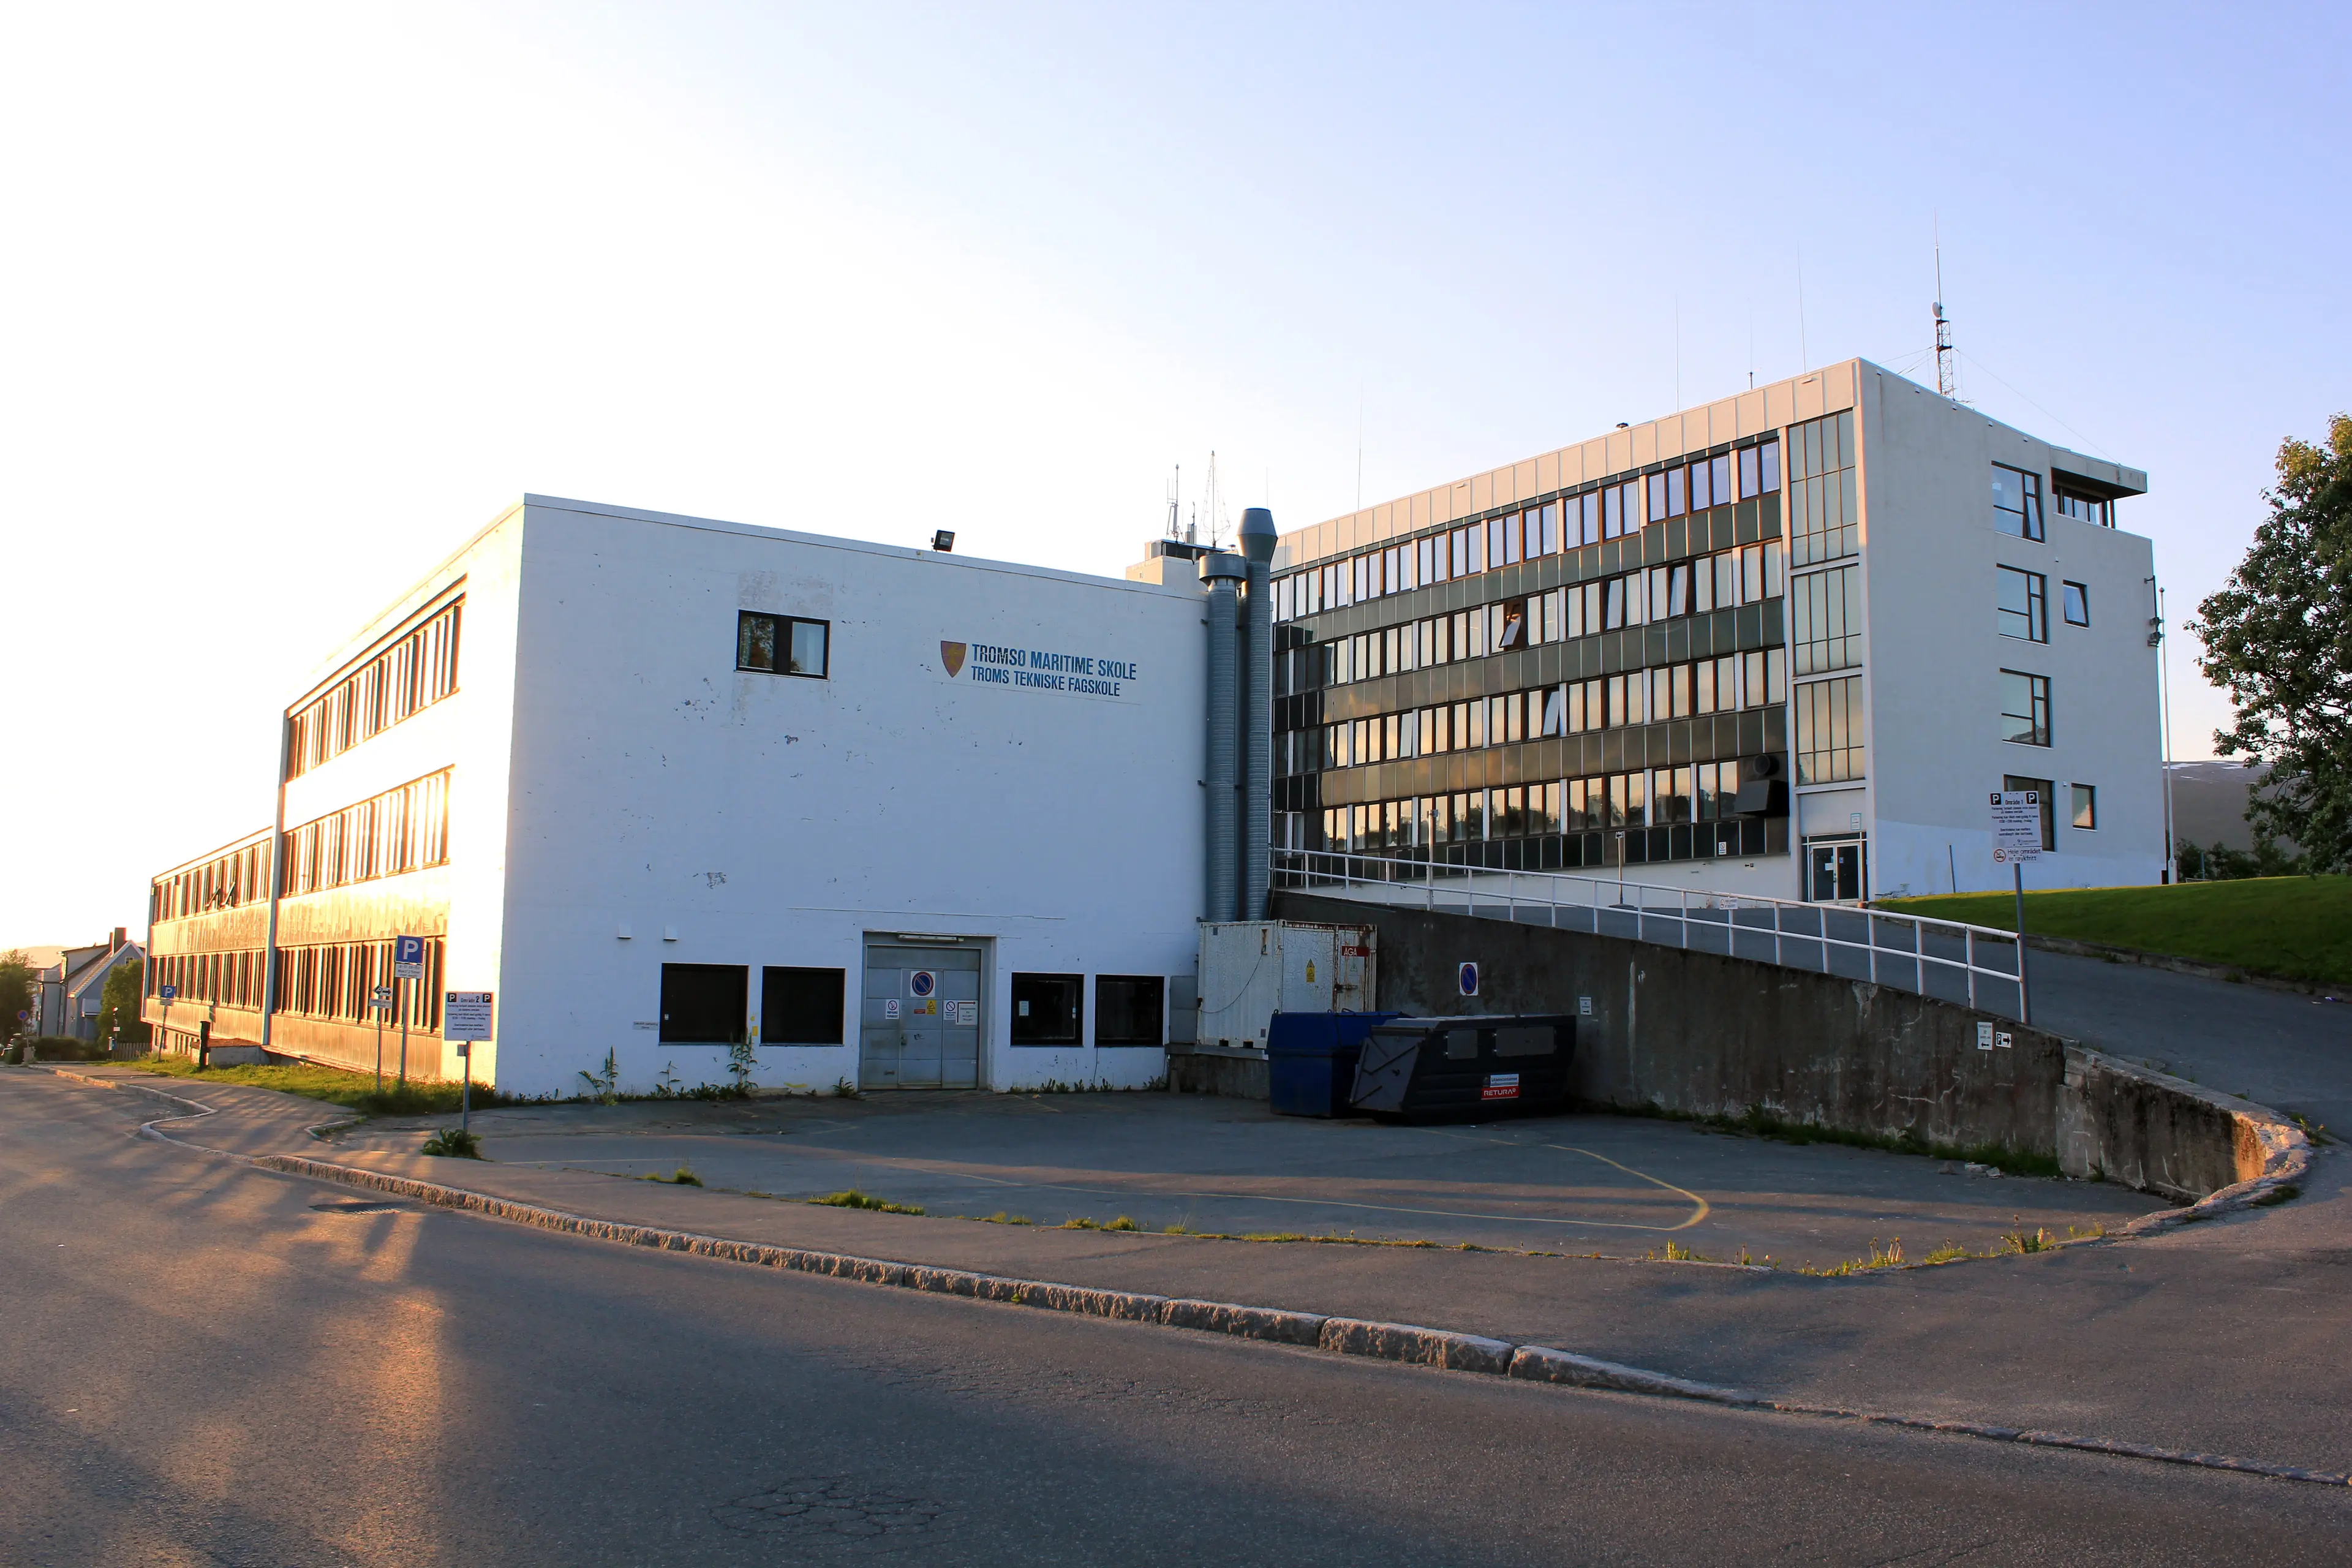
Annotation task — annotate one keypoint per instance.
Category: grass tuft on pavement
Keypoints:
(2298, 928)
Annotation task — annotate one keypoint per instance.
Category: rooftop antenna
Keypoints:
(1947, 381)
(1175, 501)
(1209, 503)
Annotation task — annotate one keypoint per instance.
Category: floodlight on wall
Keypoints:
(944, 541)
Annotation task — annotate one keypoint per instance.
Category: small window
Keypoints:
(2024, 604)
(702, 1004)
(801, 1006)
(2016, 502)
(2078, 605)
(782, 645)
(2025, 709)
(1127, 1009)
(2085, 804)
(1047, 1009)
(2046, 794)
(2086, 509)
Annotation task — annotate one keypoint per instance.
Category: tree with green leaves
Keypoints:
(16, 973)
(2278, 638)
(117, 1004)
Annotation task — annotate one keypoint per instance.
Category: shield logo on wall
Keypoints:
(951, 654)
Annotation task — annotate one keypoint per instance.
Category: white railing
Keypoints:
(1972, 965)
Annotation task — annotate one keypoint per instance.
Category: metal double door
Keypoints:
(918, 1024)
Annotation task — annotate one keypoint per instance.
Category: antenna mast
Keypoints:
(1946, 382)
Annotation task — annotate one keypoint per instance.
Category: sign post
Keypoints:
(2017, 838)
(465, 1018)
(407, 963)
(379, 1003)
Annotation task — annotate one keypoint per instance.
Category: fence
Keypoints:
(1975, 965)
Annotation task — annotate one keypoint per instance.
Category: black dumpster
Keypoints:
(1437, 1069)
(1310, 1060)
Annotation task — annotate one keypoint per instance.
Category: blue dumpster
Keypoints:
(1310, 1060)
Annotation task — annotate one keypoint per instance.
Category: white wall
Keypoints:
(1936, 653)
(771, 819)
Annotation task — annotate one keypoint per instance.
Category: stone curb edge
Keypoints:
(1403, 1342)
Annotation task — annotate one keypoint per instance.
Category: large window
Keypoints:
(801, 1006)
(781, 645)
(2024, 604)
(2016, 502)
(2045, 794)
(1829, 730)
(702, 1004)
(1048, 1009)
(1825, 615)
(1127, 1009)
(2025, 708)
(1824, 512)
(403, 829)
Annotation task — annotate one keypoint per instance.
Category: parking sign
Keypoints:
(2016, 826)
(408, 958)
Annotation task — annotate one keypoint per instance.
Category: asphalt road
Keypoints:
(205, 1365)
(2279, 1049)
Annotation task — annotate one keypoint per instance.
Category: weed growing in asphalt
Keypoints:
(2021, 1240)
(1001, 1217)
(740, 1060)
(1121, 1223)
(681, 1177)
(453, 1143)
(2278, 1195)
(851, 1198)
(845, 1089)
(603, 1087)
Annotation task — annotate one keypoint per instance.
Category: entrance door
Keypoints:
(919, 1022)
(1833, 872)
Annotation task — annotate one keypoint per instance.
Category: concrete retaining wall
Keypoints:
(1216, 1070)
(1700, 1033)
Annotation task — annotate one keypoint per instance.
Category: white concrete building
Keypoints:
(1785, 644)
(665, 784)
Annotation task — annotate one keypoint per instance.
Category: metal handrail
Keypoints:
(1887, 948)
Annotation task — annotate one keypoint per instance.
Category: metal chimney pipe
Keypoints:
(1259, 539)
(1223, 804)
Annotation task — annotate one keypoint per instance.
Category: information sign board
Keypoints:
(380, 998)
(408, 958)
(466, 1015)
(2016, 826)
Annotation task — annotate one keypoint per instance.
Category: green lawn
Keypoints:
(354, 1089)
(2297, 927)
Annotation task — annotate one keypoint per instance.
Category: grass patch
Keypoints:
(2298, 928)
(851, 1198)
(453, 1144)
(681, 1177)
(354, 1090)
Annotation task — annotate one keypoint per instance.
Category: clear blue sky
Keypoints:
(297, 298)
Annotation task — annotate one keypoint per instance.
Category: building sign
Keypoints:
(2016, 826)
(1039, 670)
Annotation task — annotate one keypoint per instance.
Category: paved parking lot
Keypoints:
(1611, 1184)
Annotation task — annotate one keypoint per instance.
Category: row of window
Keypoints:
(705, 1004)
(1653, 798)
(403, 829)
(334, 982)
(2024, 604)
(1605, 512)
(219, 884)
(1724, 685)
(1747, 575)
(412, 675)
(331, 981)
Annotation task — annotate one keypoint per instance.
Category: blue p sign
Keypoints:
(1469, 979)
(167, 992)
(408, 958)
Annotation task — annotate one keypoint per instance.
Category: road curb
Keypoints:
(1406, 1344)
